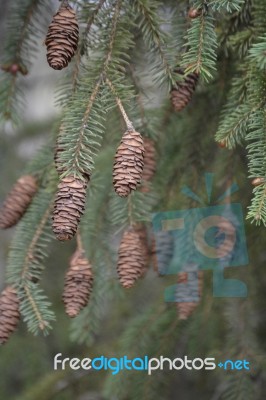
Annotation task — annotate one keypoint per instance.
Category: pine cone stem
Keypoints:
(128, 123)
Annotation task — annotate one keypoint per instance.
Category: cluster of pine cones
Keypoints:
(135, 164)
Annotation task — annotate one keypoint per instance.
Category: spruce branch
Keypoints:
(83, 47)
(147, 12)
(27, 252)
(226, 5)
(18, 51)
(88, 133)
(201, 42)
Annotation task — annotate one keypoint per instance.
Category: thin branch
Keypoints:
(30, 254)
(128, 123)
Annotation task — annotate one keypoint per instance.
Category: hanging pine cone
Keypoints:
(149, 163)
(9, 313)
(69, 207)
(130, 259)
(128, 164)
(78, 284)
(62, 37)
(191, 289)
(182, 92)
(17, 201)
(162, 251)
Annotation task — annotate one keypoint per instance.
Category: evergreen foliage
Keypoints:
(127, 60)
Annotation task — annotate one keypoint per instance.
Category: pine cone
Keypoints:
(128, 164)
(17, 201)
(62, 37)
(186, 308)
(130, 259)
(149, 163)
(78, 284)
(182, 92)
(162, 250)
(9, 313)
(69, 207)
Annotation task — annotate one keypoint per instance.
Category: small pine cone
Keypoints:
(62, 37)
(149, 163)
(9, 313)
(130, 259)
(129, 161)
(78, 284)
(186, 308)
(17, 201)
(69, 207)
(258, 181)
(182, 92)
(194, 12)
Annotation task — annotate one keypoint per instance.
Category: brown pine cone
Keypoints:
(186, 309)
(17, 201)
(9, 313)
(69, 207)
(130, 264)
(182, 92)
(78, 284)
(62, 37)
(129, 161)
(149, 168)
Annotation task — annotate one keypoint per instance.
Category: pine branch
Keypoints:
(201, 41)
(135, 208)
(27, 252)
(147, 14)
(227, 5)
(86, 116)
(19, 49)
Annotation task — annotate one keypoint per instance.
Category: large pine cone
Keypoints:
(69, 207)
(182, 92)
(130, 265)
(9, 313)
(129, 161)
(78, 284)
(149, 168)
(17, 201)
(186, 308)
(62, 37)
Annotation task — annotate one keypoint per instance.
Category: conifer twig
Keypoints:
(120, 106)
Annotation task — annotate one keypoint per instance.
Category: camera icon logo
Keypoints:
(204, 238)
